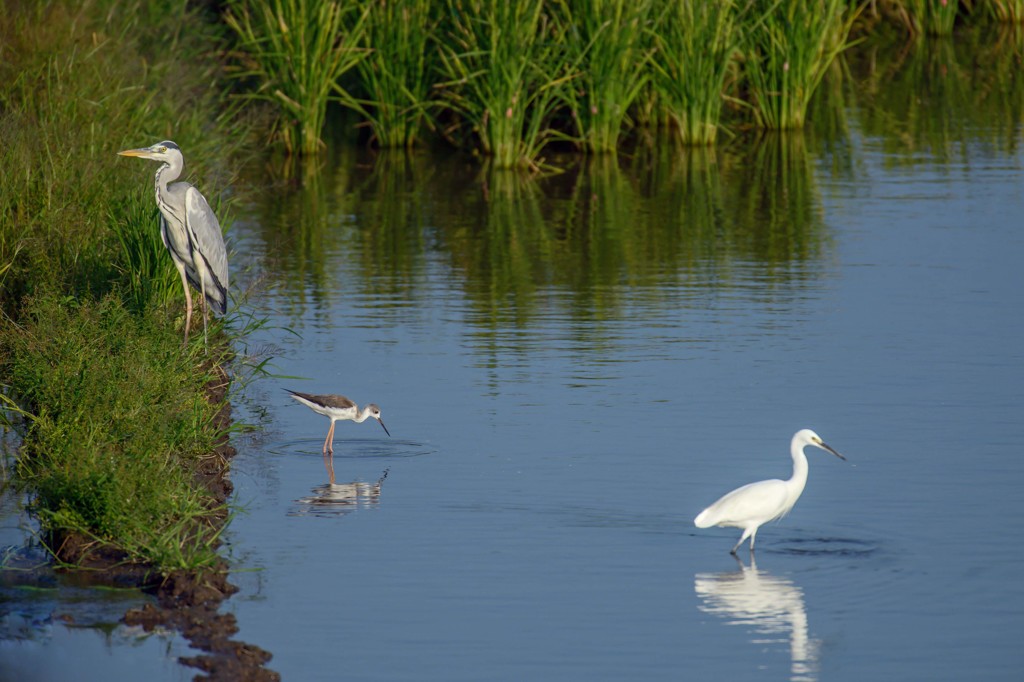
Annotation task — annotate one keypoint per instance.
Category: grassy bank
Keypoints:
(114, 414)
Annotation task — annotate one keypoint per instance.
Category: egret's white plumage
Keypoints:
(752, 505)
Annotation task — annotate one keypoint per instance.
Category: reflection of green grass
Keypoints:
(922, 99)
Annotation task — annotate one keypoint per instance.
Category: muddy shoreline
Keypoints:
(186, 601)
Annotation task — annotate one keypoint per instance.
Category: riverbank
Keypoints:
(124, 448)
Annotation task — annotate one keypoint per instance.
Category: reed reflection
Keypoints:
(338, 499)
(770, 608)
(924, 98)
(672, 227)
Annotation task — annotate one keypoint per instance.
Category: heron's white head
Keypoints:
(165, 151)
(806, 437)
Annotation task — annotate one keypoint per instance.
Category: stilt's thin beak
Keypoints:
(823, 446)
(385, 428)
(135, 152)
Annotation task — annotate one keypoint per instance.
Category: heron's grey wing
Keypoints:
(208, 244)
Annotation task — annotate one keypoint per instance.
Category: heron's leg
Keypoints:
(202, 304)
(188, 302)
(753, 536)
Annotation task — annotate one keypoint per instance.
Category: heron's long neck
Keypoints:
(167, 172)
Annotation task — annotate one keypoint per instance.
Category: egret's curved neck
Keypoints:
(799, 477)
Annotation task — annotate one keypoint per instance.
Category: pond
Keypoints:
(572, 367)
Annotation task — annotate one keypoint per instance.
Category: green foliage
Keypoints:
(110, 402)
(147, 273)
(606, 38)
(77, 85)
(395, 75)
(116, 408)
(695, 43)
(505, 75)
(1006, 11)
(933, 17)
(788, 47)
(297, 50)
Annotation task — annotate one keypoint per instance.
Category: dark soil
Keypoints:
(186, 601)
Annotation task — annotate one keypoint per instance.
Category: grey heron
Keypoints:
(189, 230)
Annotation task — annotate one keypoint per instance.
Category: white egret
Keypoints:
(751, 506)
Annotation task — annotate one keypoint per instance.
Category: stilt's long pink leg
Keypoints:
(329, 441)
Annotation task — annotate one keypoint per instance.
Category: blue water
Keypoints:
(572, 367)
(553, 440)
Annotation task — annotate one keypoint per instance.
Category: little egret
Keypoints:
(337, 408)
(758, 503)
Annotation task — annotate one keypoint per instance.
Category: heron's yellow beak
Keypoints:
(134, 152)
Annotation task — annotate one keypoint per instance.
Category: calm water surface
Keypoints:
(571, 368)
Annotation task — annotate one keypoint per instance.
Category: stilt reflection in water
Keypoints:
(335, 499)
(772, 608)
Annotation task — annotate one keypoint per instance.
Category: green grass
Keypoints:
(504, 75)
(296, 51)
(931, 17)
(395, 75)
(116, 410)
(606, 39)
(695, 42)
(788, 47)
(1006, 11)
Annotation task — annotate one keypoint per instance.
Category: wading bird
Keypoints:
(758, 503)
(337, 408)
(190, 232)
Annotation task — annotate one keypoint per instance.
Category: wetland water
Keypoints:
(573, 367)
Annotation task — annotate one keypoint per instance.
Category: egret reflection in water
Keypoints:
(335, 499)
(771, 608)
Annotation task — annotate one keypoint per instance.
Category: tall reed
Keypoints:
(789, 45)
(606, 38)
(296, 51)
(695, 42)
(395, 75)
(504, 75)
(1006, 11)
(932, 17)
